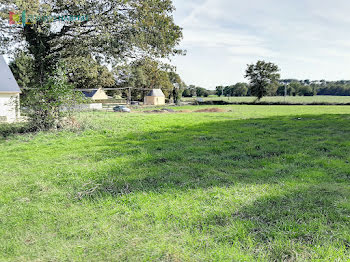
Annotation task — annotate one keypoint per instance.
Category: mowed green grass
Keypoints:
(279, 99)
(258, 183)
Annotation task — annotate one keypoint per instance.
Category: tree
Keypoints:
(239, 89)
(200, 92)
(148, 73)
(114, 30)
(111, 31)
(193, 90)
(281, 90)
(187, 92)
(87, 73)
(49, 104)
(227, 91)
(263, 78)
(305, 91)
(294, 88)
(83, 72)
(178, 84)
(219, 90)
(22, 69)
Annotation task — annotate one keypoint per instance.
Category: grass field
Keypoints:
(256, 183)
(279, 99)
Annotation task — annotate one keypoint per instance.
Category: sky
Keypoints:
(307, 39)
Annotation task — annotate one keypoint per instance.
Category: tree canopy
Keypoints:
(113, 31)
(147, 73)
(87, 73)
(54, 37)
(263, 77)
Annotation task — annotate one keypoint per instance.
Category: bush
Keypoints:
(7, 130)
(48, 105)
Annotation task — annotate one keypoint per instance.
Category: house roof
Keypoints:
(8, 82)
(156, 92)
(90, 93)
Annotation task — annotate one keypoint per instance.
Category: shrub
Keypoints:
(47, 105)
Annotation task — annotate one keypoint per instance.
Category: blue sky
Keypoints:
(308, 39)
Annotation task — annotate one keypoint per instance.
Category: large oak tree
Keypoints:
(115, 30)
(111, 31)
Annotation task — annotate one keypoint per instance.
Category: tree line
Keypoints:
(262, 84)
(293, 88)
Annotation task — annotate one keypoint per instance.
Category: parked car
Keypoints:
(121, 109)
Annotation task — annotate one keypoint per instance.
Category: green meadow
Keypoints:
(253, 183)
(279, 99)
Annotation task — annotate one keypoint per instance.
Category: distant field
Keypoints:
(279, 99)
(253, 183)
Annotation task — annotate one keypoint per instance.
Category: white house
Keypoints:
(9, 94)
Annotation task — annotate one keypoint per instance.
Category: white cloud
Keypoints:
(307, 38)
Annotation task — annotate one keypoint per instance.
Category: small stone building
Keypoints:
(97, 94)
(155, 97)
(9, 94)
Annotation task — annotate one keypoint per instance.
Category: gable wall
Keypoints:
(9, 107)
(100, 95)
(154, 100)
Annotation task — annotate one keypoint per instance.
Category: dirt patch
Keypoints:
(154, 112)
(168, 110)
(164, 110)
(210, 110)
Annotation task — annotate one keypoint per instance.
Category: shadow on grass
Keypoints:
(223, 153)
(311, 222)
(305, 220)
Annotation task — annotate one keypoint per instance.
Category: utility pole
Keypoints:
(285, 92)
(129, 96)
